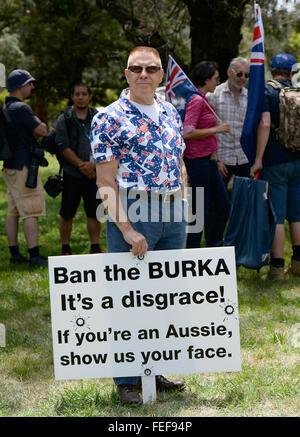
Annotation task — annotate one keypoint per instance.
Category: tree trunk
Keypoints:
(215, 31)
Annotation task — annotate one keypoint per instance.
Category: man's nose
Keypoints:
(144, 72)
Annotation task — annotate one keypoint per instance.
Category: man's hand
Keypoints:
(88, 169)
(137, 241)
(41, 130)
(222, 169)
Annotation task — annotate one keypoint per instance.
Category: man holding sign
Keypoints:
(137, 145)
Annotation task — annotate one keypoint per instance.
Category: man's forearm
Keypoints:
(71, 157)
(109, 193)
(263, 132)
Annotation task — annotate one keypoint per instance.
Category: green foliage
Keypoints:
(280, 29)
(10, 53)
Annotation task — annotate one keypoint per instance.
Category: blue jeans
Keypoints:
(165, 230)
(204, 172)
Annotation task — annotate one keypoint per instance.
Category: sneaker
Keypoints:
(295, 267)
(128, 395)
(275, 274)
(16, 259)
(163, 384)
(38, 260)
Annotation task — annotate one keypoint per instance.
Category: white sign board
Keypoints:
(172, 312)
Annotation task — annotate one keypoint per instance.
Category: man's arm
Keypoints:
(263, 132)
(106, 182)
(184, 176)
(85, 167)
(41, 130)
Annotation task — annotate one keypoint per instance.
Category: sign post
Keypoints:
(171, 312)
(2, 335)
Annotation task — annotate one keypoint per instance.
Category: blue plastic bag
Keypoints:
(252, 223)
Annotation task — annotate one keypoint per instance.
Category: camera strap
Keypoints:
(82, 128)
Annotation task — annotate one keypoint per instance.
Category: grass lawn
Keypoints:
(269, 313)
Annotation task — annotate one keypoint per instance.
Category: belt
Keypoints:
(167, 197)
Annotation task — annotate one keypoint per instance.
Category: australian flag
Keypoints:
(256, 89)
(179, 88)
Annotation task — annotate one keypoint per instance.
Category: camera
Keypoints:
(54, 185)
(37, 159)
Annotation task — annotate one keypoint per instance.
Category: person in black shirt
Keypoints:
(24, 202)
(281, 169)
(79, 171)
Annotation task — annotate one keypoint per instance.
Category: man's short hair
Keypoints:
(238, 60)
(144, 49)
(280, 72)
(80, 84)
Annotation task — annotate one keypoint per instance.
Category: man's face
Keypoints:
(238, 75)
(142, 85)
(81, 97)
(27, 89)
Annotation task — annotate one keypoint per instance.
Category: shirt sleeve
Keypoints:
(192, 114)
(267, 107)
(104, 138)
(26, 117)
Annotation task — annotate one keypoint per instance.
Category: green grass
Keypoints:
(269, 314)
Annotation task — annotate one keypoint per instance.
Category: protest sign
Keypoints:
(170, 312)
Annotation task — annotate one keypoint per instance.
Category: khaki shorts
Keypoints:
(22, 201)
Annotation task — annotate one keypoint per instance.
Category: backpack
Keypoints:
(49, 143)
(288, 130)
(5, 149)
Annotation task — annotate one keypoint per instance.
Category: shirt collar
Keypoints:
(228, 90)
(129, 107)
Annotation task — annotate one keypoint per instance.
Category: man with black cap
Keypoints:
(281, 168)
(24, 202)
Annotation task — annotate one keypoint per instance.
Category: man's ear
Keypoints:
(126, 71)
(162, 75)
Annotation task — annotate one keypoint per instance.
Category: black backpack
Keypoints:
(5, 148)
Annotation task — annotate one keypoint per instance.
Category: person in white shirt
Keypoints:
(230, 103)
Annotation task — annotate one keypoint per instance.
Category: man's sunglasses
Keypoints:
(151, 69)
(240, 74)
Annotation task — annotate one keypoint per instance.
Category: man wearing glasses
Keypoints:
(137, 145)
(230, 103)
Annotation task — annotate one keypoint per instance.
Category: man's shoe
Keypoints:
(275, 274)
(38, 260)
(128, 395)
(98, 250)
(163, 384)
(16, 259)
(295, 267)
